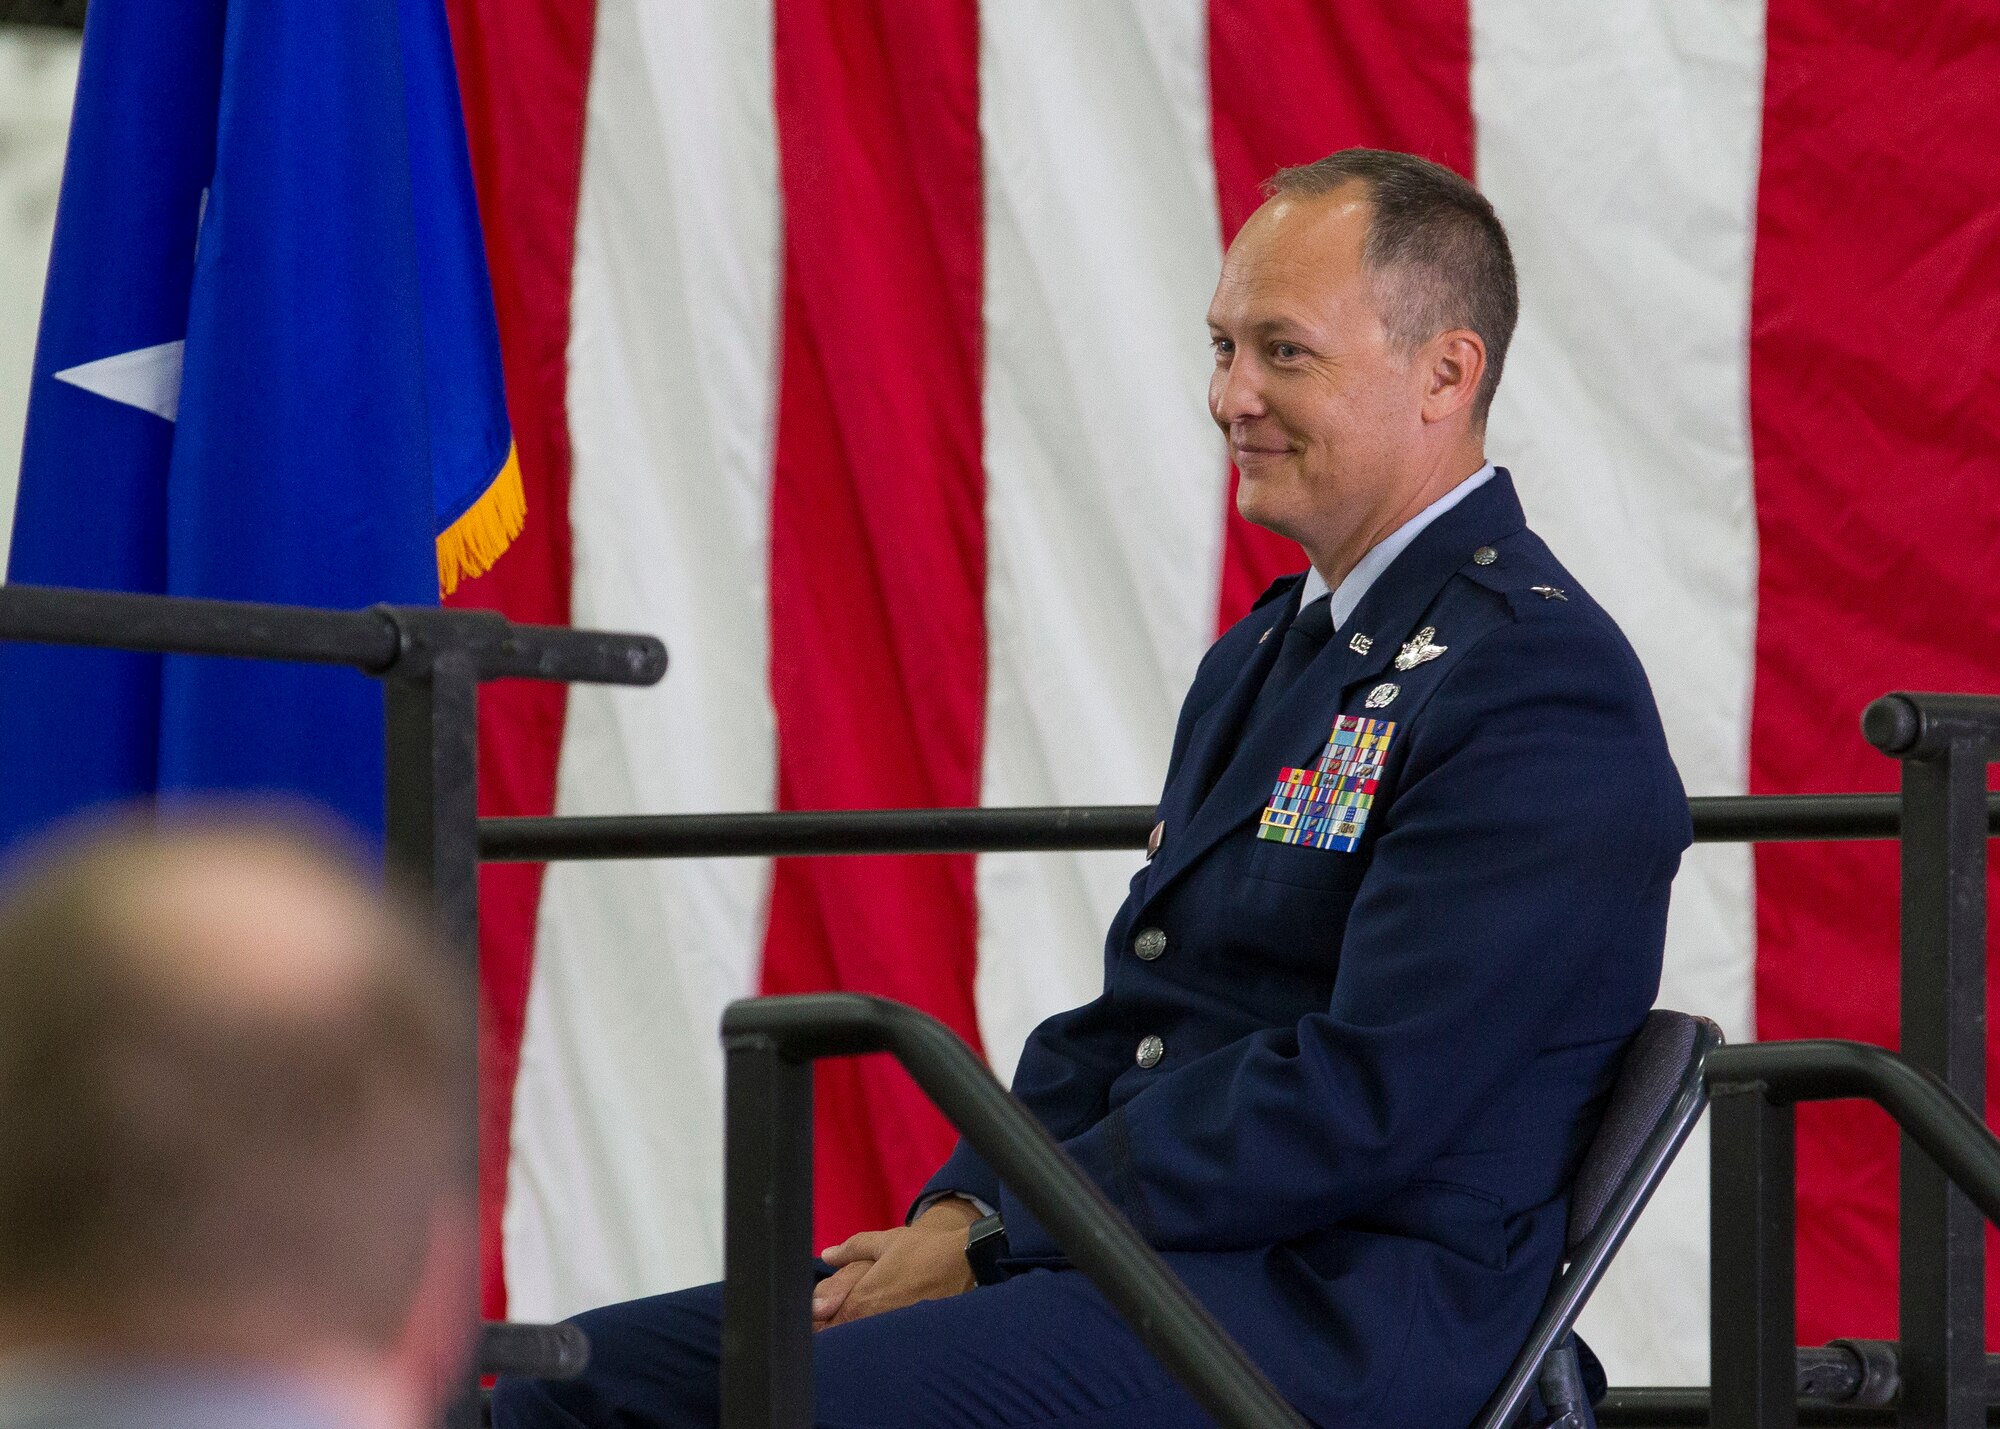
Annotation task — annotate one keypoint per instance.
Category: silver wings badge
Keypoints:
(1420, 648)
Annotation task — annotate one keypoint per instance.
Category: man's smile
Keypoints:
(1254, 452)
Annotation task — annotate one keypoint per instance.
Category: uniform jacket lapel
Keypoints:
(1300, 723)
(1215, 731)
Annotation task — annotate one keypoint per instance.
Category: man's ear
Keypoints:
(1453, 364)
(432, 1356)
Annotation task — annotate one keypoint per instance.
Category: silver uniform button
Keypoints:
(1150, 943)
(1151, 1049)
(1485, 556)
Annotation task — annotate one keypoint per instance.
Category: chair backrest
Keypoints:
(1655, 1103)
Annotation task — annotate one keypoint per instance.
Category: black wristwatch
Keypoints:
(985, 1248)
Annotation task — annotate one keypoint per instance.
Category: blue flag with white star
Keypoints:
(268, 369)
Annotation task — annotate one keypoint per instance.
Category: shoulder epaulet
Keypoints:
(1524, 582)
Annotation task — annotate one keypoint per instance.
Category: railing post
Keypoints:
(1944, 743)
(767, 1253)
(1752, 1260)
(432, 776)
(431, 788)
(1941, 1309)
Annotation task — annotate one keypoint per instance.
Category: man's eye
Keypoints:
(1223, 347)
(1285, 351)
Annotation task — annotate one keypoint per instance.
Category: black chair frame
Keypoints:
(1549, 1358)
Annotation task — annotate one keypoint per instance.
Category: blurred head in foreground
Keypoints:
(233, 1092)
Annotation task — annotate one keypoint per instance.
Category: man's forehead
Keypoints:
(1290, 226)
(1294, 252)
(1345, 203)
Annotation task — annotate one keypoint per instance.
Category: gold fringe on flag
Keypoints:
(471, 544)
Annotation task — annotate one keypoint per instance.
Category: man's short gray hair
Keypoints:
(1435, 248)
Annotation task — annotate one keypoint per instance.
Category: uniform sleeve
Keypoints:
(1537, 809)
(1064, 1074)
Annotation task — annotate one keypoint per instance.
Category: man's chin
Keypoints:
(1257, 504)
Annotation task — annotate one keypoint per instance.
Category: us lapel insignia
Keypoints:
(1382, 694)
(1153, 840)
(1326, 806)
(1360, 644)
(1419, 648)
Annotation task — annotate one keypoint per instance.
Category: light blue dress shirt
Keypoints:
(1383, 554)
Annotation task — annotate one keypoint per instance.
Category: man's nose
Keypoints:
(1234, 392)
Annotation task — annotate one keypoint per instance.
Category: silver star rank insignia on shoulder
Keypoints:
(1548, 592)
(1382, 694)
(1420, 648)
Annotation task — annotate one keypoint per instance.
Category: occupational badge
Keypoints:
(1420, 648)
(1326, 806)
(1382, 694)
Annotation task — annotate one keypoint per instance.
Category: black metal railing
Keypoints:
(1690, 1408)
(432, 662)
(51, 14)
(1943, 817)
(1754, 1364)
(770, 1045)
(1945, 744)
(531, 1351)
(1761, 1379)
(1846, 1382)
(1757, 818)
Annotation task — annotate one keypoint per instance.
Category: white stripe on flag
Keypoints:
(615, 1186)
(1619, 141)
(1104, 477)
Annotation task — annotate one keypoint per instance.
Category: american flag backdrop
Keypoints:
(856, 347)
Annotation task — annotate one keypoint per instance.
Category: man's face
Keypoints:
(1320, 407)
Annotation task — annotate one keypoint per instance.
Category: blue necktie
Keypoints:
(1305, 637)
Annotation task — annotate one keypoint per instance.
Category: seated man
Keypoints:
(236, 1190)
(1401, 915)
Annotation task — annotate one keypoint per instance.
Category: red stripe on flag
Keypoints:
(878, 561)
(523, 70)
(1293, 80)
(1875, 424)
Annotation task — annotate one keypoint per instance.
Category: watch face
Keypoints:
(985, 1245)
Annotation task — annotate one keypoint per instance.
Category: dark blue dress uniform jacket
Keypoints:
(1380, 1067)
